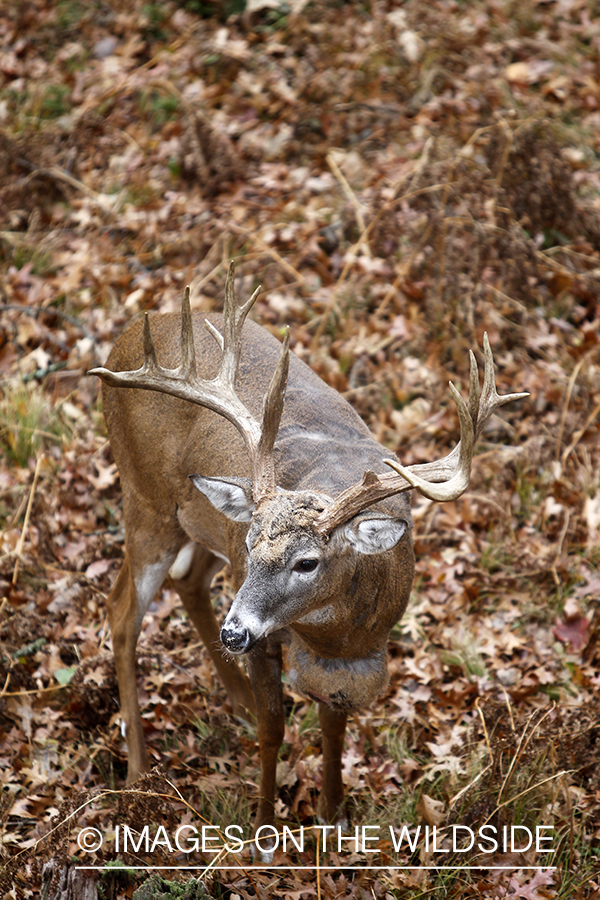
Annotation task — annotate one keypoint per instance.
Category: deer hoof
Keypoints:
(343, 824)
(262, 856)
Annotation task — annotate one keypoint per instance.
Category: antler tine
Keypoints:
(491, 400)
(474, 389)
(444, 479)
(234, 317)
(215, 333)
(147, 372)
(272, 411)
(150, 363)
(187, 367)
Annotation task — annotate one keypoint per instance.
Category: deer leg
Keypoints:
(193, 586)
(264, 664)
(333, 728)
(134, 590)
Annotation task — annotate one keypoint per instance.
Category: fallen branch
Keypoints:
(19, 551)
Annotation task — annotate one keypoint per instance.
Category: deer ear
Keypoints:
(374, 534)
(231, 496)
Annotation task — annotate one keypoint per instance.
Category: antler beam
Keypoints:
(217, 394)
(444, 479)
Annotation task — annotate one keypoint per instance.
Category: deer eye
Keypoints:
(306, 565)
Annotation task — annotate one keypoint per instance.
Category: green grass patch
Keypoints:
(28, 423)
(55, 101)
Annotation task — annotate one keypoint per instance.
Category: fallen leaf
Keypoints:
(432, 811)
(97, 568)
(575, 632)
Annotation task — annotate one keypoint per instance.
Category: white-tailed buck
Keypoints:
(215, 468)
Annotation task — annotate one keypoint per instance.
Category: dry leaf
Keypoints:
(432, 811)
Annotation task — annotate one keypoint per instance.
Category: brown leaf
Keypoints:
(575, 632)
(97, 568)
(432, 811)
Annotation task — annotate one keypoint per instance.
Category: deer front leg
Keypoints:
(264, 664)
(333, 729)
(125, 630)
(192, 583)
(134, 590)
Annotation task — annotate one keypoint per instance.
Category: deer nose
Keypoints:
(235, 637)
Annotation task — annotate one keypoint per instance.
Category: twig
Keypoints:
(482, 498)
(579, 434)
(523, 741)
(471, 784)
(568, 394)
(509, 708)
(571, 252)
(282, 262)
(57, 174)
(418, 169)
(561, 540)
(41, 459)
(404, 269)
(322, 319)
(520, 306)
(318, 874)
(484, 726)
(16, 516)
(351, 197)
(37, 310)
(24, 693)
(558, 267)
(528, 790)
(200, 280)
(186, 649)
(8, 674)
(239, 229)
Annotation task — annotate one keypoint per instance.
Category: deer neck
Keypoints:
(337, 652)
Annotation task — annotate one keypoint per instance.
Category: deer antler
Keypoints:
(443, 479)
(217, 394)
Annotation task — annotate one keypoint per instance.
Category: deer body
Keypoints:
(338, 637)
(320, 547)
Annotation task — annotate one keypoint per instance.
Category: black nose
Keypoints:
(235, 637)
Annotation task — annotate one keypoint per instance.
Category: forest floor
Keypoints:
(400, 178)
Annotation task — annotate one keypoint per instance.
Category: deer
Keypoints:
(217, 469)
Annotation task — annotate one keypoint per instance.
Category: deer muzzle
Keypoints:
(235, 637)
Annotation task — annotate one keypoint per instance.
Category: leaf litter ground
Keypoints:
(400, 179)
